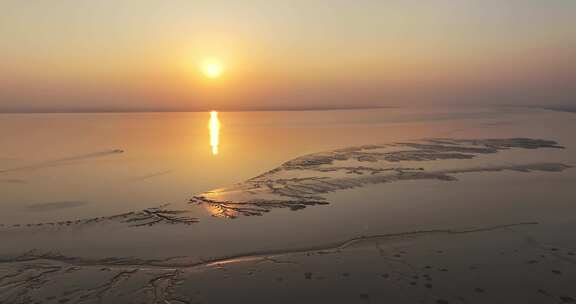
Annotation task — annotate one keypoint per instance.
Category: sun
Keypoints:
(212, 68)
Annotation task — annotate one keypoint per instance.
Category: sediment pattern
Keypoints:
(147, 217)
(305, 181)
(407, 267)
(51, 277)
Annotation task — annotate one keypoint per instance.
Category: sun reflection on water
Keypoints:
(214, 126)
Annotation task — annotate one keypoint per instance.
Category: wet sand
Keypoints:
(436, 266)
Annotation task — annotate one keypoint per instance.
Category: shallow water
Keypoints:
(65, 167)
(47, 158)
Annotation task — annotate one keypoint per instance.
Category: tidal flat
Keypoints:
(471, 205)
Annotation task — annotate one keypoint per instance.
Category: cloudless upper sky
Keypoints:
(86, 55)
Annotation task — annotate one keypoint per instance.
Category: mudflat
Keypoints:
(359, 206)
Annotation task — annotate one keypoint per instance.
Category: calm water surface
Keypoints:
(67, 166)
(167, 157)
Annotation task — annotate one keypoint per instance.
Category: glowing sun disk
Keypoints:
(212, 68)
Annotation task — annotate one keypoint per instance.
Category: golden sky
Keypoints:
(147, 55)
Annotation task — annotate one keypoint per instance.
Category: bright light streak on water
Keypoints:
(214, 126)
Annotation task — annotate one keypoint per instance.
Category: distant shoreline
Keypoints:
(95, 111)
(568, 109)
(560, 108)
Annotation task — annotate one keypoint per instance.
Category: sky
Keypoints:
(145, 55)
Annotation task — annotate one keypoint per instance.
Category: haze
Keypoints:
(137, 55)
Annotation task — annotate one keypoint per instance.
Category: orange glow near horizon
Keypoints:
(223, 55)
(214, 126)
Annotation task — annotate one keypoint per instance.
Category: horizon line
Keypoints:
(557, 107)
(177, 110)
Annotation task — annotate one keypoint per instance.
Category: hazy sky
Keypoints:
(144, 54)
